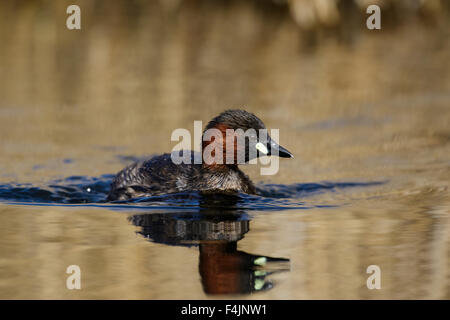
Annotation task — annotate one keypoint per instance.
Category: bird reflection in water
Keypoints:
(216, 231)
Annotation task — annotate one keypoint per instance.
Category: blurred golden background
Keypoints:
(351, 104)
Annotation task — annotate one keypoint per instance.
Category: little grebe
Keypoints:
(160, 175)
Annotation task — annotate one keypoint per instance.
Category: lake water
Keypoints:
(367, 118)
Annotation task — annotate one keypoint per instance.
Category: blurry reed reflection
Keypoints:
(216, 231)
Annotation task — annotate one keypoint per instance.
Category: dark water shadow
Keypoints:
(222, 267)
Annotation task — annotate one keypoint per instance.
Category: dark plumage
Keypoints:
(159, 175)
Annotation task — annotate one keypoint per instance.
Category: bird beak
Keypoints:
(284, 153)
(277, 150)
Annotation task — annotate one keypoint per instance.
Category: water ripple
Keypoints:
(92, 191)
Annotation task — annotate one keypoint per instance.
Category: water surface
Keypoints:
(367, 118)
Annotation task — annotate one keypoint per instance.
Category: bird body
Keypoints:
(160, 175)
